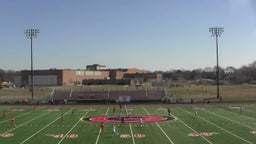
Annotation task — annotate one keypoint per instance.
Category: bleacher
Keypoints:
(89, 95)
(61, 95)
(109, 96)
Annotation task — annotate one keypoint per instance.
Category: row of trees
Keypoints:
(244, 74)
(8, 76)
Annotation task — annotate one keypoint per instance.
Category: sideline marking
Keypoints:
(72, 127)
(100, 129)
(133, 140)
(160, 127)
(194, 130)
(218, 127)
(42, 128)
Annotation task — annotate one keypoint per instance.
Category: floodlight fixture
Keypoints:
(216, 31)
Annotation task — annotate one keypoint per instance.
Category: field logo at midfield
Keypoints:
(7, 135)
(253, 132)
(129, 119)
(205, 134)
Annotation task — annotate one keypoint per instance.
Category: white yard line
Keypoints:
(26, 122)
(72, 128)
(193, 130)
(41, 129)
(100, 129)
(229, 119)
(219, 127)
(133, 140)
(160, 128)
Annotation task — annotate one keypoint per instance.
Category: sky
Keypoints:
(146, 34)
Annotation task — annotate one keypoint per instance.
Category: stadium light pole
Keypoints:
(32, 34)
(216, 32)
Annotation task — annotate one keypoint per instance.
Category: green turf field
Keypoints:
(212, 125)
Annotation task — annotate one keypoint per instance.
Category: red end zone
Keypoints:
(127, 119)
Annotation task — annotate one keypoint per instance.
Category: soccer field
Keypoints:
(212, 124)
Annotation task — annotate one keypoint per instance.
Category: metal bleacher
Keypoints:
(109, 95)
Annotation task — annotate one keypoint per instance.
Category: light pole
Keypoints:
(31, 34)
(216, 32)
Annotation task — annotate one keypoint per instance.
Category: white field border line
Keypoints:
(16, 117)
(133, 140)
(42, 129)
(160, 128)
(73, 127)
(230, 119)
(219, 127)
(26, 123)
(100, 129)
(194, 130)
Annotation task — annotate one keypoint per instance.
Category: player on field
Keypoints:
(119, 115)
(4, 114)
(121, 107)
(141, 122)
(102, 128)
(73, 111)
(114, 110)
(34, 107)
(169, 111)
(13, 121)
(62, 117)
(122, 121)
(241, 109)
(196, 114)
(114, 130)
(129, 113)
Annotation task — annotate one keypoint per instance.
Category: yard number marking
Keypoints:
(125, 136)
(139, 135)
(71, 136)
(7, 135)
